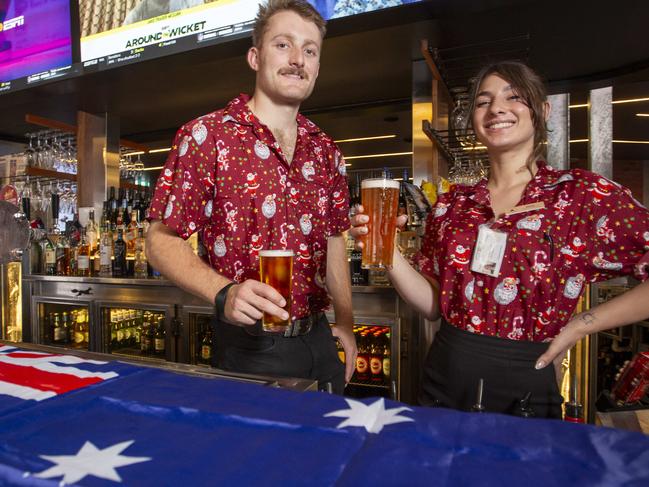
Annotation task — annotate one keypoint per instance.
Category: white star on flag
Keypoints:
(372, 417)
(90, 461)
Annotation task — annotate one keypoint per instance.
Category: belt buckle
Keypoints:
(300, 327)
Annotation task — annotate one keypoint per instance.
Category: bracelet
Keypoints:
(219, 300)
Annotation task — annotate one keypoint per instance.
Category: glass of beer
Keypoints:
(380, 199)
(276, 269)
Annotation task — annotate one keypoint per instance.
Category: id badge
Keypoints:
(489, 251)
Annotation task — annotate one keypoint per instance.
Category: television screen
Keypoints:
(119, 32)
(35, 41)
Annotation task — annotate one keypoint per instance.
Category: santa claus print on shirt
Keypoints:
(199, 132)
(602, 230)
(600, 189)
(531, 223)
(256, 245)
(184, 145)
(308, 171)
(167, 177)
(573, 286)
(305, 223)
(468, 291)
(208, 209)
(262, 150)
(543, 319)
(268, 207)
(339, 200)
(170, 206)
(440, 209)
(460, 258)
(572, 251)
(251, 184)
(293, 196)
(303, 254)
(506, 291)
(219, 246)
(601, 263)
(476, 325)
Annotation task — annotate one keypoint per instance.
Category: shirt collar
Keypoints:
(237, 111)
(546, 176)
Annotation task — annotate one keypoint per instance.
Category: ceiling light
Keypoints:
(368, 156)
(138, 153)
(642, 114)
(614, 102)
(152, 168)
(615, 141)
(166, 149)
(358, 139)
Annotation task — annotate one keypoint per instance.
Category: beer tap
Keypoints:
(478, 407)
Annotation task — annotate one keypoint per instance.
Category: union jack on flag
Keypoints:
(38, 375)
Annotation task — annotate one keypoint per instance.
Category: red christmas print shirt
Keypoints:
(590, 229)
(226, 177)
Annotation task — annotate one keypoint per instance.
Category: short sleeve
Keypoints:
(426, 259)
(186, 183)
(338, 197)
(620, 237)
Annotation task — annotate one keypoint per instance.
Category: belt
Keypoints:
(303, 326)
(298, 327)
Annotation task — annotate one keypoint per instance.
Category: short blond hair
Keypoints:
(301, 7)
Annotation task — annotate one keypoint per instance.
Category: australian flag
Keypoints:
(69, 421)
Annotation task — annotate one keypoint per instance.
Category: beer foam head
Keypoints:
(276, 253)
(379, 183)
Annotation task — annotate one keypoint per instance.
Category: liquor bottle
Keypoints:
(130, 237)
(49, 251)
(206, 347)
(159, 338)
(376, 360)
(83, 256)
(63, 256)
(403, 199)
(77, 329)
(111, 204)
(140, 266)
(363, 360)
(57, 329)
(106, 251)
(145, 338)
(119, 256)
(340, 350)
(66, 329)
(386, 358)
(113, 329)
(92, 234)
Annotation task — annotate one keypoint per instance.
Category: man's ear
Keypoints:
(253, 58)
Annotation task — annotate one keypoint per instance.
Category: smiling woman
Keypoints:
(504, 261)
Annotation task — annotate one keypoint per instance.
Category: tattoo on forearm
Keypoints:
(588, 318)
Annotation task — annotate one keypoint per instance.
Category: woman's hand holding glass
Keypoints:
(359, 225)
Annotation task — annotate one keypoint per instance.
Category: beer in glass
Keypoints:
(275, 269)
(380, 199)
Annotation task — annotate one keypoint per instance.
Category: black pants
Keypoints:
(458, 359)
(310, 356)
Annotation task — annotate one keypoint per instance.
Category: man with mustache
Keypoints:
(205, 188)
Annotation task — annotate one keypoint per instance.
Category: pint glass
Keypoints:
(275, 269)
(380, 199)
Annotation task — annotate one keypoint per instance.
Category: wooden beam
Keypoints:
(72, 129)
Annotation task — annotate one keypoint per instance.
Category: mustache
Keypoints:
(294, 71)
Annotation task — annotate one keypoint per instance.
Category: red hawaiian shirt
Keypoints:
(589, 229)
(226, 176)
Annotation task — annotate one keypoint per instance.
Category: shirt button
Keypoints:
(288, 185)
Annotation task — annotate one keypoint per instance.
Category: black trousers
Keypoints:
(458, 359)
(310, 356)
